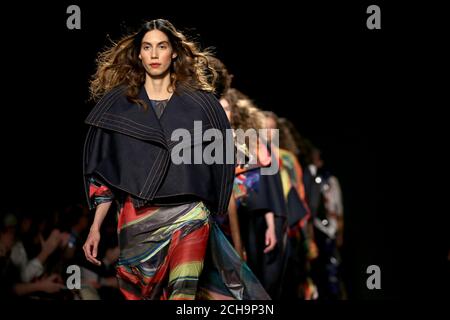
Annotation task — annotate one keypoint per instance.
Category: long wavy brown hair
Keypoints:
(304, 146)
(244, 113)
(287, 140)
(221, 81)
(119, 65)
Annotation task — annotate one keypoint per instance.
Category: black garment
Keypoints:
(325, 269)
(312, 190)
(269, 196)
(129, 149)
(268, 267)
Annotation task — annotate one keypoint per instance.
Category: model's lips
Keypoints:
(155, 65)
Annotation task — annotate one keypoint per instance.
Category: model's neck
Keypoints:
(158, 87)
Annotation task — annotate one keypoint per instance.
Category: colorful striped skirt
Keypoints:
(178, 252)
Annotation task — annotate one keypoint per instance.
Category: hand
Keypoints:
(52, 242)
(91, 245)
(50, 284)
(65, 236)
(271, 239)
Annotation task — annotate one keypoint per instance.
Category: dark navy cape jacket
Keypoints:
(129, 150)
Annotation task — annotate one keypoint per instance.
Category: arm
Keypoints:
(28, 269)
(22, 289)
(234, 226)
(271, 238)
(49, 245)
(48, 285)
(313, 251)
(34, 268)
(91, 245)
(337, 192)
(101, 197)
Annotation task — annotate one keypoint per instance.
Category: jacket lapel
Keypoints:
(115, 112)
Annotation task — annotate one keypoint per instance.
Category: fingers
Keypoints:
(94, 251)
(270, 244)
(55, 235)
(93, 254)
(269, 248)
(52, 277)
(65, 236)
(90, 257)
(88, 249)
(267, 243)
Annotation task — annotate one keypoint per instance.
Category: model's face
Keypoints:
(156, 53)
(316, 159)
(226, 106)
(270, 125)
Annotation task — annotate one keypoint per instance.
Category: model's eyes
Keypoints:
(161, 46)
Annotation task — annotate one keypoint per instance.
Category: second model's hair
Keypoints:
(244, 113)
(120, 64)
(221, 81)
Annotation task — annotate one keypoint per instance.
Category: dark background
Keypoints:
(317, 64)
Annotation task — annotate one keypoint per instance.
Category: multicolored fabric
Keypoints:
(99, 193)
(247, 176)
(177, 252)
(245, 182)
(297, 282)
(293, 188)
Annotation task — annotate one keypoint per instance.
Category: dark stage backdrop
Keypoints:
(316, 64)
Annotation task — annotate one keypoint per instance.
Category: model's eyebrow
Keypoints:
(161, 42)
